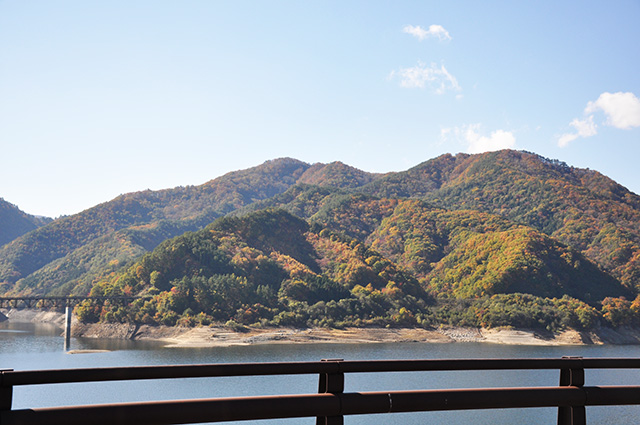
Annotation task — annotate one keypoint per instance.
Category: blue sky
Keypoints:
(103, 98)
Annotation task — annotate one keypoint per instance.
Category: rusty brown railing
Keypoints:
(331, 403)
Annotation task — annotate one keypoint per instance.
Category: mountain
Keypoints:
(45, 260)
(457, 239)
(75, 272)
(189, 207)
(267, 265)
(337, 175)
(468, 254)
(580, 208)
(15, 223)
(272, 268)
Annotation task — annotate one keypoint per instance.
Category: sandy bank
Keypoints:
(218, 336)
(34, 316)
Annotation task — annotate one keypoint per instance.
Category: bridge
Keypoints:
(331, 403)
(57, 302)
(46, 302)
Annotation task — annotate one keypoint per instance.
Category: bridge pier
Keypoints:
(67, 327)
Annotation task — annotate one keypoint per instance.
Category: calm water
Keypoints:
(27, 346)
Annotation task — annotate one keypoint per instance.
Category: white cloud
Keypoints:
(498, 139)
(444, 133)
(421, 76)
(420, 33)
(584, 128)
(477, 143)
(566, 138)
(622, 109)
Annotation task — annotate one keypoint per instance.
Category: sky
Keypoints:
(103, 98)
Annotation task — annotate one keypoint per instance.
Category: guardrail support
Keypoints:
(572, 377)
(6, 394)
(332, 383)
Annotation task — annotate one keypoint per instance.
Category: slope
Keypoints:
(467, 254)
(198, 205)
(272, 268)
(580, 208)
(267, 266)
(15, 223)
(46, 260)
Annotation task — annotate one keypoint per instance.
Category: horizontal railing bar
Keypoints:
(310, 405)
(59, 376)
(178, 412)
(54, 376)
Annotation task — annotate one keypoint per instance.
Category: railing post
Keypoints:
(331, 383)
(572, 377)
(6, 394)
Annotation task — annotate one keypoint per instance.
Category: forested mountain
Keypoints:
(272, 268)
(337, 175)
(467, 254)
(15, 223)
(499, 238)
(46, 260)
(268, 265)
(578, 207)
(188, 208)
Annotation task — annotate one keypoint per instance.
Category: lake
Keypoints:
(27, 346)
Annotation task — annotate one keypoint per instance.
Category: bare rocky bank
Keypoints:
(34, 316)
(212, 336)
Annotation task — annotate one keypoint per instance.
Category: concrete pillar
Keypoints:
(67, 327)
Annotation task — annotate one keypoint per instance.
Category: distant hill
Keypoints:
(458, 239)
(467, 254)
(336, 175)
(267, 265)
(270, 267)
(15, 223)
(191, 207)
(578, 207)
(37, 256)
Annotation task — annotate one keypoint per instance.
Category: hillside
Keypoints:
(192, 207)
(458, 239)
(268, 265)
(467, 254)
(580, 208)
(45, 260)
(75, 273)
(272, 268)
(15, 223)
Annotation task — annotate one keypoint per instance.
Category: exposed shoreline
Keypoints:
(219, 336)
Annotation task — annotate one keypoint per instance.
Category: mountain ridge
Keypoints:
(15, 222)
(558, 226)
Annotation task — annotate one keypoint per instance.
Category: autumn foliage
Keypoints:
(504, 238)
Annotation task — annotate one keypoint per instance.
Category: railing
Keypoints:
(331, 403)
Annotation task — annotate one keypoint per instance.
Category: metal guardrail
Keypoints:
(331, 403)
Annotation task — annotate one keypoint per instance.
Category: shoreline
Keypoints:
(220, 336)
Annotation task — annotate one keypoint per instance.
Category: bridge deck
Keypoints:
(57, 302)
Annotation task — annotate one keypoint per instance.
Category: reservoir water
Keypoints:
(26, 346)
